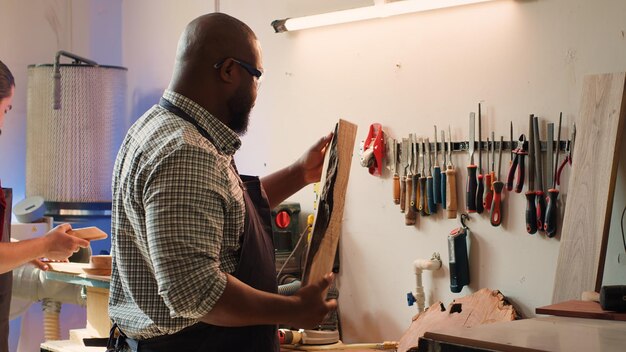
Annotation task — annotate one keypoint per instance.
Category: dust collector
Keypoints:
(75, 124)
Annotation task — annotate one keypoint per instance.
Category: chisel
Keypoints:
(471, 185)
(539, 195)
(553, 193)
(432, 206)
(423, 205)
(481, 186)
(394, 171)
(450, 182)
(436, 175)
(531, 210)
(498, 185)
(416, 176)
(403, 165)
(443, 170)
(409, 218)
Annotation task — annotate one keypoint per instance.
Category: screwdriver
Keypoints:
(450, 182)
(496, 207)
(481, 186)
(471, 170)
(553, 193)
(489, 177)
(436, 176)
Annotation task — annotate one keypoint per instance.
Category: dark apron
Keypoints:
(256, 268)
(6, 279)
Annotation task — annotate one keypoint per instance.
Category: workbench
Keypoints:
(551, 333)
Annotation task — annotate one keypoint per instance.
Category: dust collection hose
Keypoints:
(51, 326)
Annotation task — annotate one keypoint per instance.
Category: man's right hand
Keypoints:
(312, 304)
(60, 245)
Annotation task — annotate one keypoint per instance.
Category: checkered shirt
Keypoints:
(178, 213)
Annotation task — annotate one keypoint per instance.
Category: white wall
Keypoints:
(408, 73)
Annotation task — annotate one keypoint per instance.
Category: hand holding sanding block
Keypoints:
(91, 233)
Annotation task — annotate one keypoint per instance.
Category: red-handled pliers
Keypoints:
(518, 163)
(568, 156)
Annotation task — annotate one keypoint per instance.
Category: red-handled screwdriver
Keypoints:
(496, 204)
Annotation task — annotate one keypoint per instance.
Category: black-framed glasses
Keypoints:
(253, 71)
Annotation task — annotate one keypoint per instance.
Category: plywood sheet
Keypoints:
(586, 219)
(329, 215)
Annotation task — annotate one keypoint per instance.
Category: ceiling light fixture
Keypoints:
(378, 10)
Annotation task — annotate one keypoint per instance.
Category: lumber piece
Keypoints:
(482, 307)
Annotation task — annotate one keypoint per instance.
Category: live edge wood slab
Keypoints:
(482, 307)
(580, 309)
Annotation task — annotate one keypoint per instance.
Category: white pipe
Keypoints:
(419, 265)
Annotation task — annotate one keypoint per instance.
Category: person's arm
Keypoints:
(281, 184)
(242, 305)
(56, 245)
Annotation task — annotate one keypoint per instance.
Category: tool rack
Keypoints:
(463, 146)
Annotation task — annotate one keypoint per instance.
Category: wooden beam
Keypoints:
(591, 187)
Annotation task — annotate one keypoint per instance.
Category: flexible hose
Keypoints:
(51, 326)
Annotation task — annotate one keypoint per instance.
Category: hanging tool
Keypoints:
(550, 154)
(498, 185)
(553, 193)
(416, 175)
(489, 176)
(459, 259)
(443, 170)
(471, 170)
(404, 165)
(480, 189)
(436, 176)
(450, 182)
(393, 146)
(531, 209)
(432, 206)
(569, 150)
(539, 194)
(512, 144)
(517, 164)
(409, 218)
(423, 207)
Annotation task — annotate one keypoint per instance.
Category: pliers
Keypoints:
(569, 150)
(519, 152)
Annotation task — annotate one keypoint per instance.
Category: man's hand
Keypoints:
(312, 161)
(59, 245)
(312, 303)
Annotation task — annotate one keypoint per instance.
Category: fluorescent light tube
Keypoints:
(365, 13)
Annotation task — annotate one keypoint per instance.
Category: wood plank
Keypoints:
(482, 307)
(329, 215)
(586, 220)
(580, 309)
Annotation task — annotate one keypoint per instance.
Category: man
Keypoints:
(193, 258)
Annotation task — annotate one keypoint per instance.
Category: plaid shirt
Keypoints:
(178, 212)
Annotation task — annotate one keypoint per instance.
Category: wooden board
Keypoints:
(91, 233)
(538, 334)
(329, 215)
(587, 214)
(78, 268)
(580, 309)
(482, 307)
